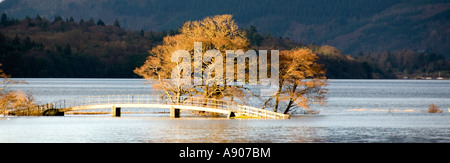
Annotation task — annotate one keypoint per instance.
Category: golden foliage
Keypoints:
(18, 103)
(300, 64)
(15, 101)
(433, 108)
(215, 33)
(219, 32)
(301, 79)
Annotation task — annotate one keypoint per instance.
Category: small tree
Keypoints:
(4, 20)
(116, 23)
(434, 109)
(18, 103)
(100, 23)
(15, 100)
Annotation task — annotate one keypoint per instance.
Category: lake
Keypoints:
(375, 111)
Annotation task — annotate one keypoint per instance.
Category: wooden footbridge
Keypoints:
(116, 102)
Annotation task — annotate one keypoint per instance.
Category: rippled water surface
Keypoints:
(357, 111)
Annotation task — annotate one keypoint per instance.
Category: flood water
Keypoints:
(378, 111)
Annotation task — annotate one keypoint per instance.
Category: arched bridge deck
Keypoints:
(149, 101)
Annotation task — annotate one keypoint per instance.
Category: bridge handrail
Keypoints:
(151, 99)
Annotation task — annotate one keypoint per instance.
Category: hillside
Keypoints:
(62, 48)
(69, 48)
(353, 26)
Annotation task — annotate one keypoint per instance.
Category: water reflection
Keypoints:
(357, 111)
(158, 129)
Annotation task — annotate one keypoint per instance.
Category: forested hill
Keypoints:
(67, 48)
(352, 26)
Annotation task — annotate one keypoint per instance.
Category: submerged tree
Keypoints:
(301, 79)
(18, 103)
(15, 101)
(218, 33)
(197, 49)
(433, 108)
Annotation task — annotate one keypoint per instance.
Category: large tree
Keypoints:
(218, 33)
(302, 80)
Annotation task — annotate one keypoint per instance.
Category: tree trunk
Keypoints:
(277, 98)
(291, 100)
(265, 103)
(178, 98)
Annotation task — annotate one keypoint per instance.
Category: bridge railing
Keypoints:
(110, 99)
(210, 103)
(150, 99)
(256, 112)
(140, 99)
(42, 108)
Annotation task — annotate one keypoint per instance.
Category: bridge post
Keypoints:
(174, 113)
(115, 111)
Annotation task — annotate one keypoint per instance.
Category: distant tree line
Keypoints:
(38, 47)
(353, 26)
(66, 48)
(407, 63)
